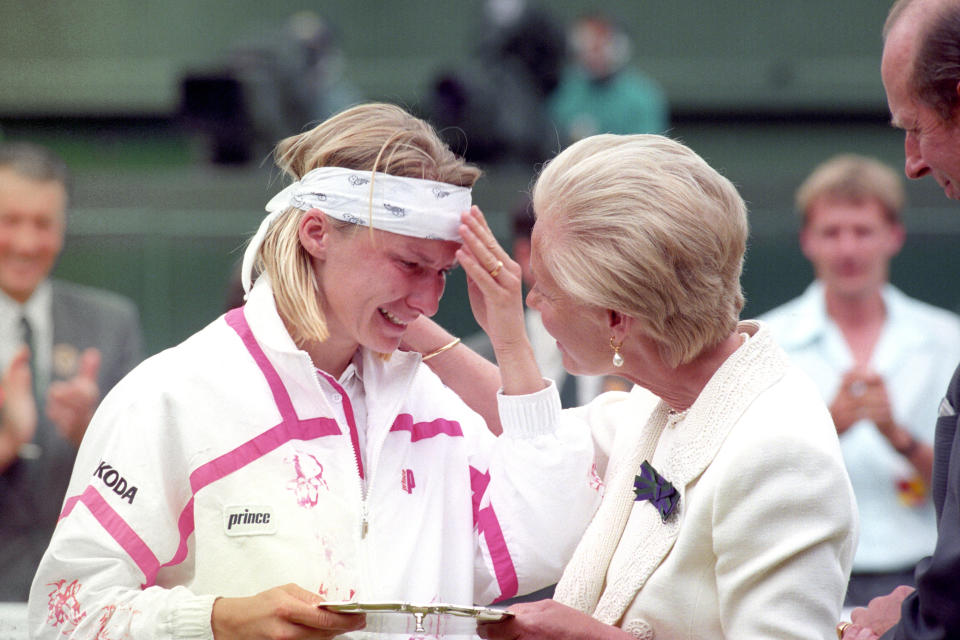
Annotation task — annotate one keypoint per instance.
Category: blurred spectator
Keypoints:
(267, 89)
(524, 35)
(880, 359)
(493, 107)
(599, 93)
(60, 342)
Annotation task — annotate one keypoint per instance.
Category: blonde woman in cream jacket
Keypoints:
(727, 512)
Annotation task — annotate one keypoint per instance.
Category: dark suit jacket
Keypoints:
(932, 612)
(32, 491)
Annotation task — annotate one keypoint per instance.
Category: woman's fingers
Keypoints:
(493, 282)
(328, 620)
(314, 615)
(496, 264)
(477, 223)
(479, 274)
(477, 248)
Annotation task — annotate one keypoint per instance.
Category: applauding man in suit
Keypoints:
(62, 346)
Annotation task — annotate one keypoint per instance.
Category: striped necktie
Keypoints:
(26, 334)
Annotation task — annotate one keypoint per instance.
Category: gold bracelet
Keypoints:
(446, 347)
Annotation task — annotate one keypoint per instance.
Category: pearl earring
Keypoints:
(617, 358)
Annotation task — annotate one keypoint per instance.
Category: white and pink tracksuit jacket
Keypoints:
(216, 469)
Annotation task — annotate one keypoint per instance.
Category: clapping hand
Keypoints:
(71, 403)
(862, 396)
(18, 411)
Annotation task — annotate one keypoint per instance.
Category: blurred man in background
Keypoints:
(880, 359)
(62, 346)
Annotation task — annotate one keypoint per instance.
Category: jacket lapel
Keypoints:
(583, 578)
(644, 532)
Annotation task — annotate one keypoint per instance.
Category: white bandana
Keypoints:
(407, 206)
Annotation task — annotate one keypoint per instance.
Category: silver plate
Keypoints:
(481, 614)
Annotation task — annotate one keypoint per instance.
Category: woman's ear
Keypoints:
(619, 324)
(314, 232)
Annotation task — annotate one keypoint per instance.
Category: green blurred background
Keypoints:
(762, 90)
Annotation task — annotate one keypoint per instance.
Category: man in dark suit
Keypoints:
(62, 346)
(921, 75)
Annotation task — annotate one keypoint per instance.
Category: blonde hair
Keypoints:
(853, 178)
(368, 137)
(643, 226)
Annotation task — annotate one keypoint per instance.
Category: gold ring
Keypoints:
(841, 627)
(496, 270)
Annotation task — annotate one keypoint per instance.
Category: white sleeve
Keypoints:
(539, 492)
(119, 523)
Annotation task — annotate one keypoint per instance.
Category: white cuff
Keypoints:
(531, 415)
(191, 618)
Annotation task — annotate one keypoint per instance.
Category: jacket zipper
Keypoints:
(347, 407)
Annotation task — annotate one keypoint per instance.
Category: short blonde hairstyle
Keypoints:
(644, 226)
(853, 178)
(368, 137)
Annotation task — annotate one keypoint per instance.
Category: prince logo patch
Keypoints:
(254, 520)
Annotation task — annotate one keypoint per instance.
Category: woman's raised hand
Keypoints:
(289, 612)
(496, 297)
(493, 282)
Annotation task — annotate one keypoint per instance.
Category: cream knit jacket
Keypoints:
(761, 543)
